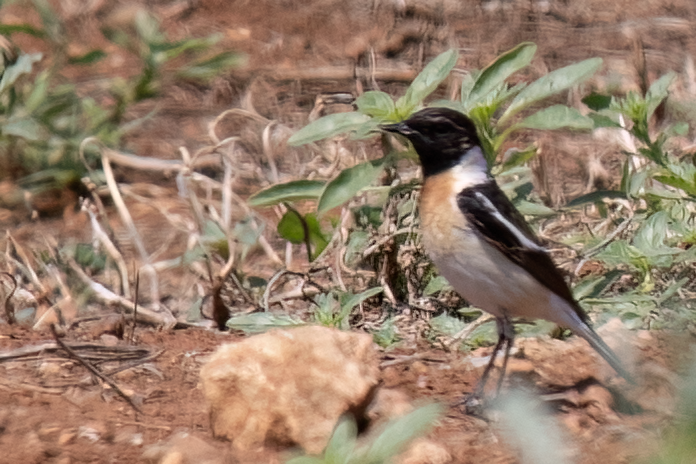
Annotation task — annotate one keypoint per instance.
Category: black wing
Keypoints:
(494, 217)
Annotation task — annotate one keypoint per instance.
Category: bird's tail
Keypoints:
(603, 349)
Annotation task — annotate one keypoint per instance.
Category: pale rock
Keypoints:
(425, 451)
(289, 387)
(184, 448)
(388, 404)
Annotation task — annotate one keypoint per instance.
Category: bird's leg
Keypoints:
(509, 334)
(473, 401)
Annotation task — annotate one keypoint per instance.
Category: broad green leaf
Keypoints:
(399, 432)
(342, 442)
(429, 78)
(26, 128)
(594, 286)
(516, 158)
(551, 84)
(376, 104)
(292, 228)
(317, 239)
(497, 72)
(350, 301)
(262, 322)
(533, 209)
(436, 284)
(657, 92)
(290, 191)
(620, 252)
(556, 117)
(678, 182)
(23, 65)
(467, 84)
(328, 126)
(446, 324)
(603, 120)
(597, 101)
(348, 183)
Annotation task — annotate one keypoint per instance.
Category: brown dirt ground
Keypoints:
(52, 411)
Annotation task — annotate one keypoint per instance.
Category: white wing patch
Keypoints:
(523, 239)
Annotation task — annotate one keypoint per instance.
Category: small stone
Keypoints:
(108, 339)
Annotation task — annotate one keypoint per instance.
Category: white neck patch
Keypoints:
(473, 170)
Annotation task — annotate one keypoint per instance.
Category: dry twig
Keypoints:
(94, 370)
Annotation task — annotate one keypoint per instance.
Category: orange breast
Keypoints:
(441, 220)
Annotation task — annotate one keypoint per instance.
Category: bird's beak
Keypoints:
(397, 128)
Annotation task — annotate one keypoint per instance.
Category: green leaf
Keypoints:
(557, 117)
(603, 120)
(23, 65)
(515, 158)
(26, 128)
(290, 191)
(594, 197)
(88, 58)
(497, 72)
(597, 101)
(350, 301)
(399, 432)
(436, 284)
(316, 237)
(533, 209)
(9, 29)
(657, 92)
(292, 228)
(376, 104)
(551, 84)
(307, 460)
(594, 287)
(262, 322)
(328, 126)
(348, 183)
(342, 442)
(207, 69)
(678, 182)
(446, 324)
(426, 81)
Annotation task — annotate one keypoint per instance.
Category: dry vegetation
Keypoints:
(137, 266)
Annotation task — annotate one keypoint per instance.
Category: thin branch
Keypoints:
(93, 370)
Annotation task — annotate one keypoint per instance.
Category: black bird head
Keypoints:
(440, 136)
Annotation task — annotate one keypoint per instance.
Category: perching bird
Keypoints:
(479, 242)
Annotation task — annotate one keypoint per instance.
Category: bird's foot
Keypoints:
(473, 404)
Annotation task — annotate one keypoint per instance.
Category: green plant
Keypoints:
(499, 109)
(343, 447)
(655, 215)
(44, 119)
(334, 312)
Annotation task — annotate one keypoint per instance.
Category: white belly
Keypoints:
(488, 280)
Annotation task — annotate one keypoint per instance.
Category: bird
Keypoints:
(481, 243)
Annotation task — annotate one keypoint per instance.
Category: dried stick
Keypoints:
(93, 369)
(109, 247)
(9, 306)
